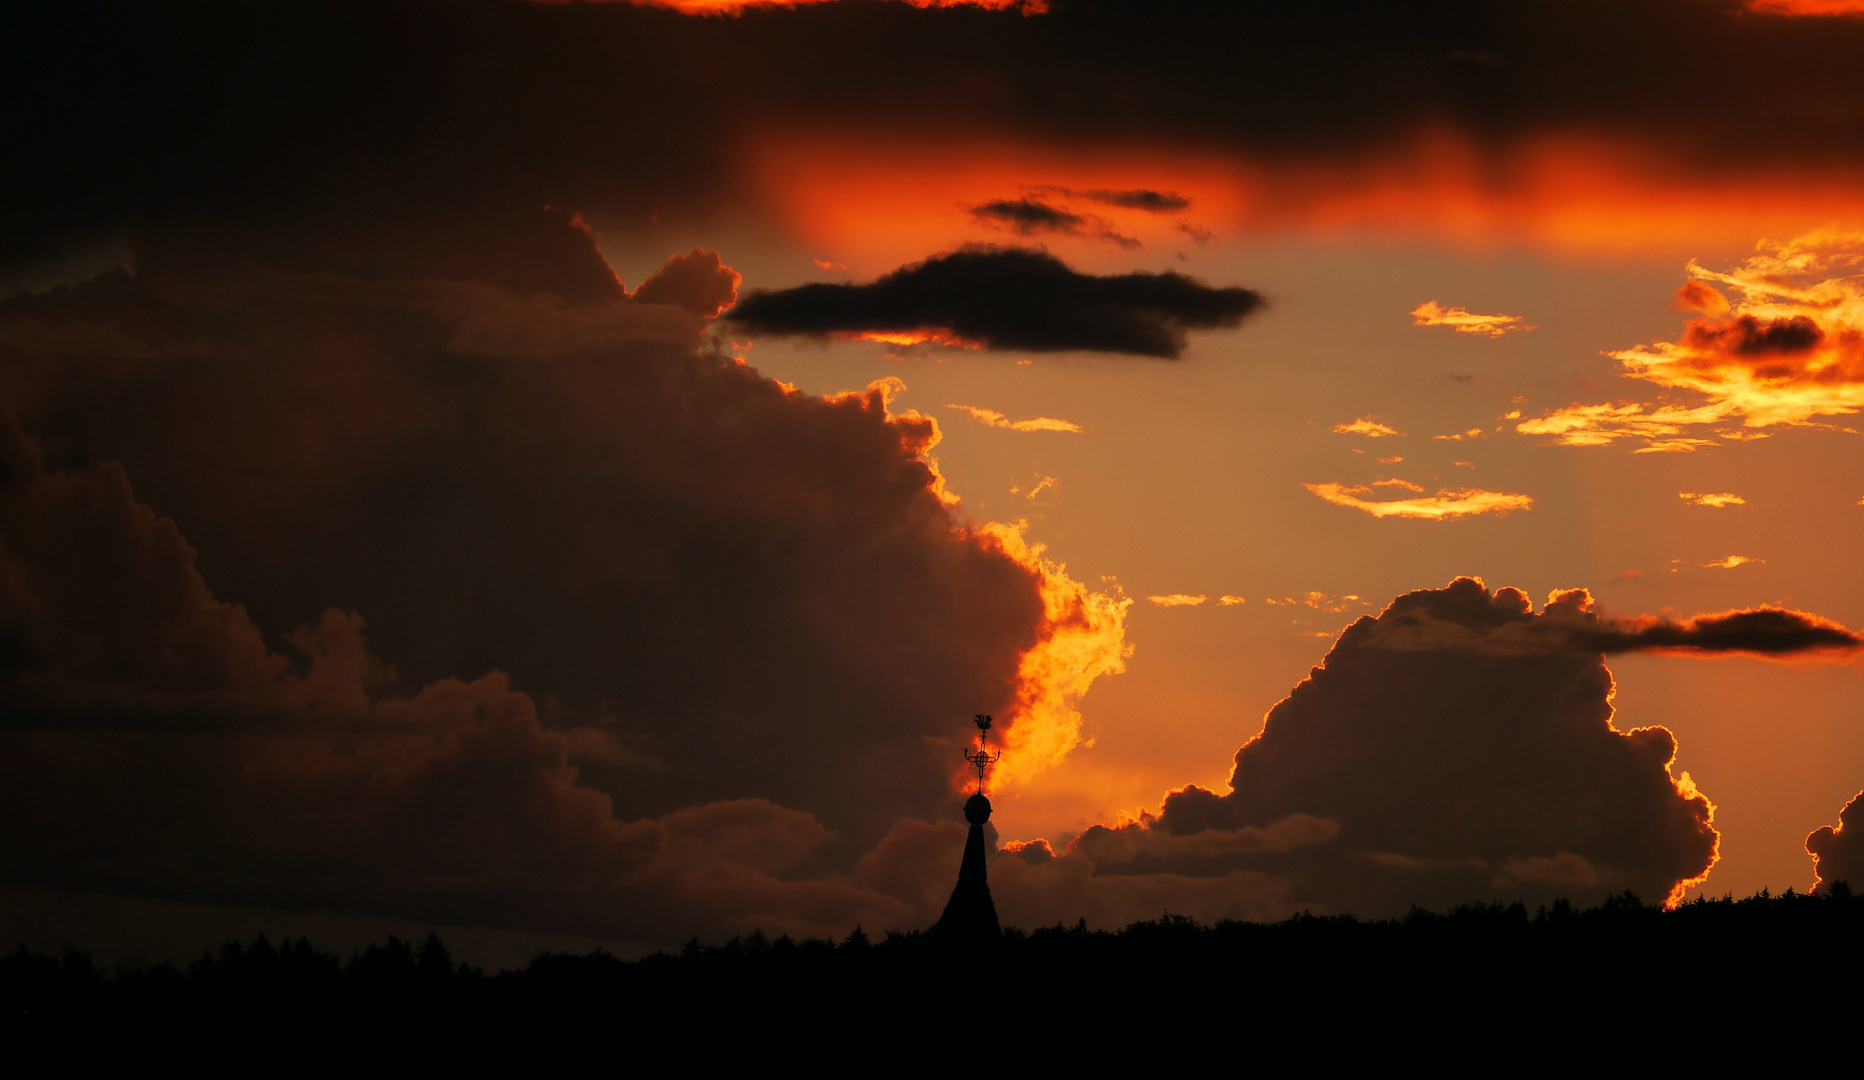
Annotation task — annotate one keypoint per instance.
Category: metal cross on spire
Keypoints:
(983, 757)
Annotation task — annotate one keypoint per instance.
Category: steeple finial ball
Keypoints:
(982, 722)
(977, 809)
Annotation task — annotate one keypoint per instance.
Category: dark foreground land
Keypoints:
(1558, 984)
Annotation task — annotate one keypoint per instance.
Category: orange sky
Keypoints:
(1580, 243)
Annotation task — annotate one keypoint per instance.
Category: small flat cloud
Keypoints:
(1463, 321)
(1461, 436)
(1731, 562)
(1177, 600)
(1146, 199)
(1368, 426)
(1032, 217)
(1444, 505)
(993, 418)
(1043, 483)
(1197, 233)
(1005, 299)
(1226, 600)
(1717, 499)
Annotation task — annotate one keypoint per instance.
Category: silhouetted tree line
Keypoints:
(1756, 968)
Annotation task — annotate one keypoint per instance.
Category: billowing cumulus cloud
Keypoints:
(1007, 298)
(1030, 217)
(619, 591)
(1461, 320)
(993, 418)
(1458, 746)
(1838, 853)
(1444, 505)
(1786, 351)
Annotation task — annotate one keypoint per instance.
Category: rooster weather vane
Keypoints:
(983, 757)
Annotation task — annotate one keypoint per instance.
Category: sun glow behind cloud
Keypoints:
(1084, 638)
(1805, 8)
(878, 200)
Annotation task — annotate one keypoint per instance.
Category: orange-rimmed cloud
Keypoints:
(1177, 600)
(993, 418)
(1368, 426)
(1444, 505)
(1731, 562)
(1785, 350)
(1463, 321)
(1461, 436)
(1716, 499)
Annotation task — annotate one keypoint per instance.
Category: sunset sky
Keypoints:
(567, 473)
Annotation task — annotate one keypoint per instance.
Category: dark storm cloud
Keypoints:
(1458, 747)
(1464, 769)
(621, 592)
(1008, 298)
(1838, 853)
(367, 133)
(652, 539)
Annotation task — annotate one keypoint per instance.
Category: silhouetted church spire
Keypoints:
(970, 915)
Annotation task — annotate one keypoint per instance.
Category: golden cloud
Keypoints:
(1788, 350)
(1731, 562)
(1716, 499)
(1178, 600)
(1461, 320)
(1367, 426)
(993, 418)
(1445, 504)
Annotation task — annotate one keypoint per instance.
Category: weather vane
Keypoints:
(983, 757)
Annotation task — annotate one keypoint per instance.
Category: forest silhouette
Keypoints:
(1480, 974)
